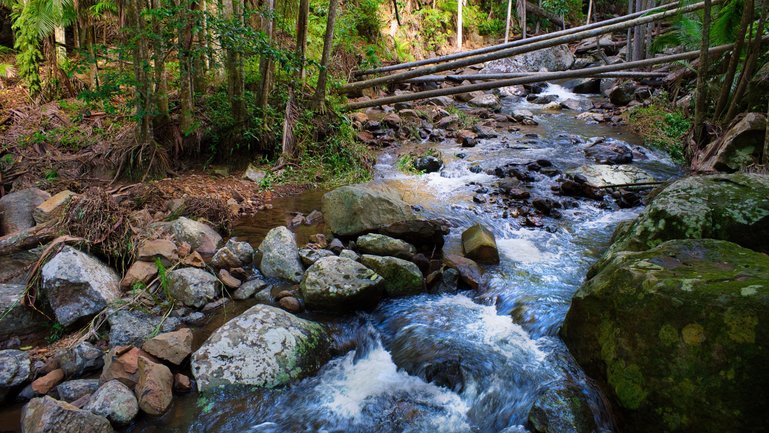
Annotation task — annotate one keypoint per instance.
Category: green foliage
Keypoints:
(491, 27)
(662, 128)
(51, 174)
(55, 333)
(434, 25)
(564, 8)
(163, 278)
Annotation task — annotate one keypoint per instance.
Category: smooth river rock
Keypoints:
(280, 255)
(382, 245)
(337, 283)
(355, 209)
(264, 347)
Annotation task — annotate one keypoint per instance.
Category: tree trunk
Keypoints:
(143, 98)
(702, 75)
(521, 9)
(161, 82)
(301, 36)
(186, 91)
(726, 88)
(589, 11)
(459, 25)
(507, 21)
(747, 70)
(639, 35)
(234, 70)
(557, 20)
(265, 62)
(320, 92)
(765, 159)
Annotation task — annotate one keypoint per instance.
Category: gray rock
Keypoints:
(234, 254)
(280, 255)
(83, 357)
(382, 245)
(248, 289)
(15, 318)
(264, 347)
(15, 369)
(428, 164)
(310, 256)
(337, 283)
(562, 408)
(133, 327)
(349, 254)
(622, 94)
(201, 237)
(46, 415)
(72, 390)
(577, 104)
(486, 101)
(355, 209)
(78, 285)
(449, 281)
(193, 287)
(16, 209)
(400, 277)
(114, 401)
(558, 58)
(609, 153)
(264, 296)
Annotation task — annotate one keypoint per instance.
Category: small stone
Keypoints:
(77, 360)
(290, 304)
(247, 289)
(228, 280)
(139, 273)
(171, 346)
(72, 390)
(469, 271)
(310, 256)
(193, 287)
(154, 388)
(382, 245)
(194, 260)
(182, 383)
(43, 385)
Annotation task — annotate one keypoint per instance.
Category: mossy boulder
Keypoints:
(678, 334)
(338, 283)
(732, 207)
(562, 408)
(355, 209)
(400, 277)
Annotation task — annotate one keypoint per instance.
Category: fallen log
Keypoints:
(26, 239)
(487, 77)
(512, 44)
(535, 78)
(509, 52)
(556, 19)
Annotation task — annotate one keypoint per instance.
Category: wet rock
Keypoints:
(154, 390)
(201, 237)
(542, 99)
(234, 254)
(392, 120)
(310, 256)
(478, 243)
(132, 327)
(604, 43)
(264, 347)
(173, 346)
(561, 408)
(72, 390)
(249, 288)
(428, 164)
(15, 370)
(290, 304)
(114, 401)
(158, 249)
(15, 318)
(400, 277)
(337, 283)
(557, 58)
(448, 123)
(193, 287)
(741, 146)
(577, 104)
(484, 132)
(228, 280)
(728, 207)
(122, 363)
(622, 94)
(609, 153)
(351, 210)
(425, 234)
(588, 86)
(280, 255)
(16, 209)
(469, 271)
(79, 359)
(449, 282)
(52, 207)
(545, 205)
(139, 273)
(78, 285)
(44, 384)
(525, 117)
(46, 415)
(441, 101)
(182, 383)
(382, 245)
(486, 101)
(652, 324)
(603, 175)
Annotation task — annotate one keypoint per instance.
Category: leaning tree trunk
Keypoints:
(459, 25)
(726, 88)
(265, 63)
(747, 70)
(301, 36)
(702, 76)
(521, 9)
(186, 89)
(161, 82)
(320, 91)
(507, 21)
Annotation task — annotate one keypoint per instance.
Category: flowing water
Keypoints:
(465, 362)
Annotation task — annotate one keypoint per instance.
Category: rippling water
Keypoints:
(467, 362)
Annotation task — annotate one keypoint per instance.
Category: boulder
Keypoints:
(479, 244)
(233, 255)
(253, 174)
(585, 86)
(132, 327)
(561, 408)
(336, 283)
(264, 347)
(170, 346)
(382, 245)
(16, 209)
(731, 207)
(15, 370)
(622, 94)
(310, 256)
(486, 101)
(601, 175)
(249, 288)
(193, 287)
(280, 255)
(577, 104)
(47, 415)
(428, 164)
(469, 271)
(139, 273)
(122, 363)
(114, 401)
(154, 390)
(610, 153)
(400, 277)
(677, 334)
(355, 209)
(15, 318)
(52, 207)
(201, 237)
(425, 234)
(80, 358)
(349, 254)
(72, 390)
(78, 285)
(740, 146)
(557, 58)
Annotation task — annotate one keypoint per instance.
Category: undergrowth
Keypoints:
(661, 127)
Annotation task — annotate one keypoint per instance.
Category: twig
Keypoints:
(628, 185)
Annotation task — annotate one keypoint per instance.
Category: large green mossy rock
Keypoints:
(679, 334)
(733, 207)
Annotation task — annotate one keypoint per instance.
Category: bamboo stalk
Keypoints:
(509, 52)
(487, 77)
(511, 44)
(534, 78)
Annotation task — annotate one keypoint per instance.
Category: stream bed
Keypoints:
(474, 361)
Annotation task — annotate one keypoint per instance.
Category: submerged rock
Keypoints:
(428, 164)
(280, 255)
(355, 209)
(400, 277)
(47, 415)
(678, 334)
(609, 153)
(78, 285)
(264, 347)
(562, 408)
(337, 283)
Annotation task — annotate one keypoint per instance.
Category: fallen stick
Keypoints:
(26, 239)
(631, 185)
